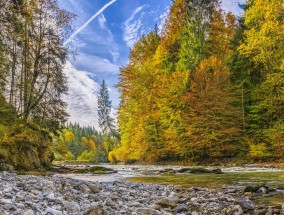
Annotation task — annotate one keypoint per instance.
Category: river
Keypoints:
(236, 177)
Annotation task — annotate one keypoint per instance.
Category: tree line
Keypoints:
(208, 86)
(32, 57)
(86, 143)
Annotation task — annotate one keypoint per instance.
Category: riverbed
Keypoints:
(236, 177)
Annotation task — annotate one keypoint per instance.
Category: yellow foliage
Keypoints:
(69, 136)
(258, 150)
(93, 147)
(69, 156)
(112, 157)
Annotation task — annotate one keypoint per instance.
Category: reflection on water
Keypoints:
(216, 180)
(239, 179)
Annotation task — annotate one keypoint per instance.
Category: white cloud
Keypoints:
(96, 65)
(82, 96)
(131, 27)
(102, 21)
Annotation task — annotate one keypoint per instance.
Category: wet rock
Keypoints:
(254, 189)
(262, 190)
(250, 189)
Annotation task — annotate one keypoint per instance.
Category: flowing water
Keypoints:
(238, 177)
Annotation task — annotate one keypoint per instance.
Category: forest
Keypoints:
(208, 86)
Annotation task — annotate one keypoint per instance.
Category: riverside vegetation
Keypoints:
(208, 87)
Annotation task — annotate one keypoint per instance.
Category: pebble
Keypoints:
(29, 195)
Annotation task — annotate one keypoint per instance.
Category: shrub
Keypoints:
(58, 157)
(69, 156)
(258, 150)
(112, 157)
(86, 156)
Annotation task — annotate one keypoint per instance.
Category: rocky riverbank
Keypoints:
(29, 195)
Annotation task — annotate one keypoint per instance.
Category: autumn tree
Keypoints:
(138, 118)
(214, 128)
(263, 46)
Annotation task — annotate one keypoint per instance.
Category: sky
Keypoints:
(102, 34)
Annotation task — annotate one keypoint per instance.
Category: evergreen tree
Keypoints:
(106, 122)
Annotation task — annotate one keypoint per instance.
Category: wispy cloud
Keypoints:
(131, 27)
(102, 21)
(88, 22)
(82, 96)
(96, 65)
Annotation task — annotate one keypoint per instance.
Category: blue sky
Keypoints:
(102, 46)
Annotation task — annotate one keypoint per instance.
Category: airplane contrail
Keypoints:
(88, 22)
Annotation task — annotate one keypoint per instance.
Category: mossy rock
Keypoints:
(250, 189)
(96, 168)
(254, 189)
(199, 171)
(102, 172)
(81, 171)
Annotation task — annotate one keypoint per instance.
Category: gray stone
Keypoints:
(146, 211)
(234, 210)
(94, 188)
(181, 209)
(85, 188)
(166, 203)
(9, 207)
(262, 190)
(135, 204)
(71, 206)
(96, 210)
(5, 201)
(51, 211)
(247, 204)
(28, 212)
